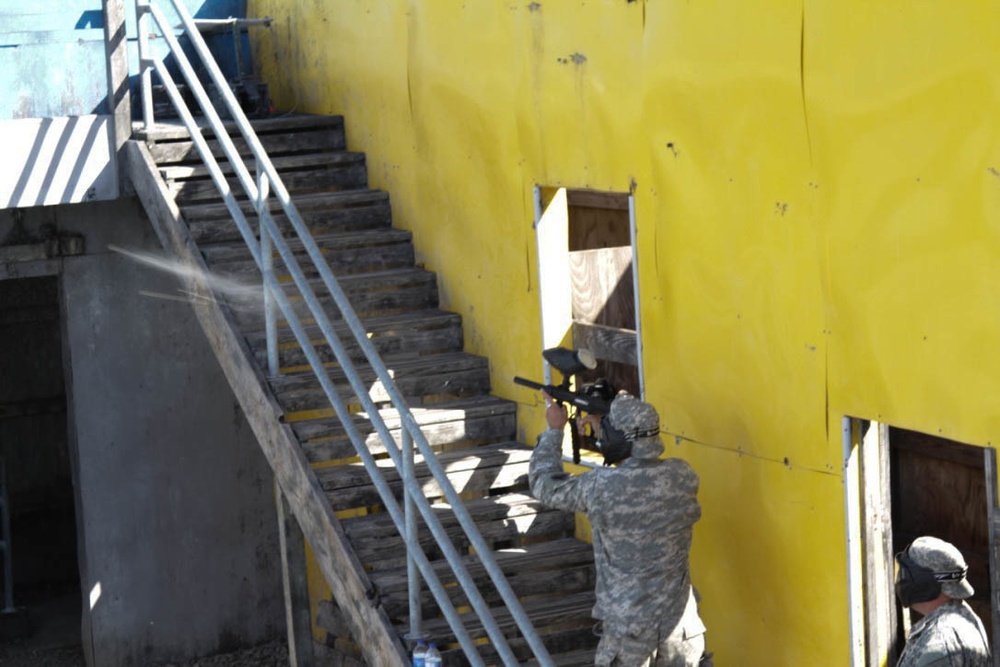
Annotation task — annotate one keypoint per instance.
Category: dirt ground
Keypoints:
(274, 654)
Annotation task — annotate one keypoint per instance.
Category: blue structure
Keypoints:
(55, 116)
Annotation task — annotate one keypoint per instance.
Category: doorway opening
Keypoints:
(35, 448)
(939, 488)
(910, 484)
(602, 286)
(587, 265)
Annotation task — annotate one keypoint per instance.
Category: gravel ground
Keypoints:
(19, 655)
(274, 654)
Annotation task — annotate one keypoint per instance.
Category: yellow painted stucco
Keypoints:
(817, 190)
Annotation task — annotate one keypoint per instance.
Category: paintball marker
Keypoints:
(592, 399)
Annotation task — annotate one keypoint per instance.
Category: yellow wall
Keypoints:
(818, 204)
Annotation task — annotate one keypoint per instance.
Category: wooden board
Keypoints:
(477, 472)
(175, 129)
(325, 138)
(602, 287)
(477, 421)
(360, 252)
(506, 521)
(615, 201)
(370, 294)
(608, 343)
(559, 567)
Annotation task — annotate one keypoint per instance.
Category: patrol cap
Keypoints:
(640, 423)
(943, 558)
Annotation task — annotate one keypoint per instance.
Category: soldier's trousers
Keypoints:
(683, 647)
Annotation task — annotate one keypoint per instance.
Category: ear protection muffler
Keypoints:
(615, 444)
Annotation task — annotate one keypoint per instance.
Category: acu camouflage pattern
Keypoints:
(950, 636)
(628, 413)
(642, 514)
(940, 556)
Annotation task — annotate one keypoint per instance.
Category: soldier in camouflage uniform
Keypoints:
(931, 580)
(641, 513)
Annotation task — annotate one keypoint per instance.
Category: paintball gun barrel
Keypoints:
(594, 405)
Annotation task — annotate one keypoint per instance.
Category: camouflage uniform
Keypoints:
(950, 635)
(641, 514)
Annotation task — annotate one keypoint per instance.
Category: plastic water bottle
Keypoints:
(433, 658)
(420, 654)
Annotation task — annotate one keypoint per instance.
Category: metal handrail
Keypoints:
(258, 190)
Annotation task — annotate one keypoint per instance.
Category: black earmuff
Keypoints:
(613, 443)
(914, 582)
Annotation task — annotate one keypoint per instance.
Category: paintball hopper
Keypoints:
(569, 362)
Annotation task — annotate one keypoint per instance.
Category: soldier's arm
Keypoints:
(547, 479)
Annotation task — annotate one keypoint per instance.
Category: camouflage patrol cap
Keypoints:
(942, 557)
(640, 423)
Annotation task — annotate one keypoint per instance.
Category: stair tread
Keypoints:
(175, 129)
(561, 553)
(472, 460)
(562, 609)
(496, 469)
(308, 201)
(229, 250)
(413, 334)
(373, 325)
(446, 362)
(468, 422)
(557, 567)
(281, 163)
(436, 413)
(371, 293)
(508, 506)
(412, 274)
(509, 519)
(345, 252)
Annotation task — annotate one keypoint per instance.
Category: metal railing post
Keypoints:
(142, 11)
(410, 518)
(267, 257)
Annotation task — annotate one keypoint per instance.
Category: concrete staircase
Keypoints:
(356, 544)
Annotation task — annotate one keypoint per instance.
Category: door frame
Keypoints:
(875, 618)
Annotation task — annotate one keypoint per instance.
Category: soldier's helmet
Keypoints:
(640, 423)
(942, 557)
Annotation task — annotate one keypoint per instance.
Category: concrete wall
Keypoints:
(178, 544)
